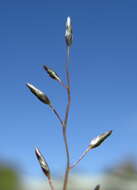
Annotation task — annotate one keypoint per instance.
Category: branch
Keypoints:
(80, 158)
(57, 115)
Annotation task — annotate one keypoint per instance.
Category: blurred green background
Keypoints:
(119, 177)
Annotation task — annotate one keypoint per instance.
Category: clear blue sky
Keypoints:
(103, 79)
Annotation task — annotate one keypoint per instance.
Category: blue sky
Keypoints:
(103, 80)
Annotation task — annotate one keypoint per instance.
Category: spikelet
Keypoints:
(68, 33)
(42, 162)
(99, 139)
(39, 94)
(51, 73)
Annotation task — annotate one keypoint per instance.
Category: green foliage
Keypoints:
(9, 179)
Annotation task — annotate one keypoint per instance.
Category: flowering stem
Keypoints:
(66, 120)
(68, 160)
(68, 88)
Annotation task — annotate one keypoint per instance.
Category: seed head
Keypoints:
(42, 162)
(99, 139)
(68, 34)
(51, 73)
(39, 94)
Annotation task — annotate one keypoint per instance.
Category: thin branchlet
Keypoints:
(93, 144)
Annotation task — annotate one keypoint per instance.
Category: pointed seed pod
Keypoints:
(68, 33)
(99, 139)
(42, 162)
(51, 73)
(39, 94)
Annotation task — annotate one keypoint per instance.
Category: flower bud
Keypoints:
(39, 94)
(42, 162)
(68, 34)
(51, 73)
(99, 139)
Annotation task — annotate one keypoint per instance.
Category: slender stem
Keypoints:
(64, 123)
(57, 115)
(50, 183)
(68, 87)
(62, 84)
(68, 160)
(66, 120)
(80, 158)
